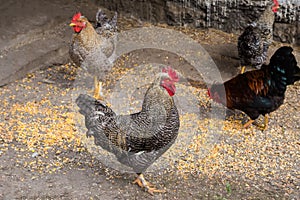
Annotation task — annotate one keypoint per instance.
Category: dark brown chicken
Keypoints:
(262, 91)
(136, 140)
(253, 43)
(90, 50)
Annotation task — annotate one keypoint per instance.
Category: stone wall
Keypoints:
(226, 15)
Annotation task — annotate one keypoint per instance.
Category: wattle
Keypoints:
(171, 93)
(77, 29)
(170, 89)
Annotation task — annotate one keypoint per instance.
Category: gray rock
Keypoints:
(227, 15)
(35, 33)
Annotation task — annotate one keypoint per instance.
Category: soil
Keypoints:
(43, 155)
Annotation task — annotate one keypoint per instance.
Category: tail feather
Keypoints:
(113, 21)
(100, 18)
(88, 105)
(98, 117)
(283, 66)
(104, 23)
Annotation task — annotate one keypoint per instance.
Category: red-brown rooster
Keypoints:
(253, 43)
(136, 140)
(90, 48)
(262, 91)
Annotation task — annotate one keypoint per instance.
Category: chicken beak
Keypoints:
(72, 24)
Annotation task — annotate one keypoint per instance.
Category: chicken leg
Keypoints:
(140, 180)
(243, 68)
(98, 89)
(248, 123)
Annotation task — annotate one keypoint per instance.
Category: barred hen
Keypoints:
(90, 50)
(253, 43)
(262, 91)
(138, 139)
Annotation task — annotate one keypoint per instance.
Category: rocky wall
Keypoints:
(226, 15)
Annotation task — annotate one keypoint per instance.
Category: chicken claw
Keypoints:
(260, 126)
(140, 180)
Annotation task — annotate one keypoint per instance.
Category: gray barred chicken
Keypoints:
(91, 50)
(254, 42)
(138, 139)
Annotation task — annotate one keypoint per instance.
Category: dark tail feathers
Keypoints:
(283, 63)
(86, 104)
(89, 105)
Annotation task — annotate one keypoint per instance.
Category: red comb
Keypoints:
(171, 72)
(76, 16)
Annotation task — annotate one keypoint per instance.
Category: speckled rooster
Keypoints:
(138, 139)
(90, 48)
(253, 43)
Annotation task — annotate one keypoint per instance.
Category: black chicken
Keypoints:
(262, 91)
(136, 140)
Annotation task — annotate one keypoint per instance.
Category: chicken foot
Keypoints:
(265, 125)
(260, 126)
(140, 180)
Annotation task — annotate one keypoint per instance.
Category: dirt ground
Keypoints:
(43, 156)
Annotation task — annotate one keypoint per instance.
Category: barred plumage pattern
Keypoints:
(252, 47)
(253, 43)
(137, 140)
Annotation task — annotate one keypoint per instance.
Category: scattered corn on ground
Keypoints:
(213, 158)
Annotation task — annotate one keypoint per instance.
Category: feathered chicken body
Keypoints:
(253, 43)
(262, 91)
(86, 41)
(91, 50)
(136, 140)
